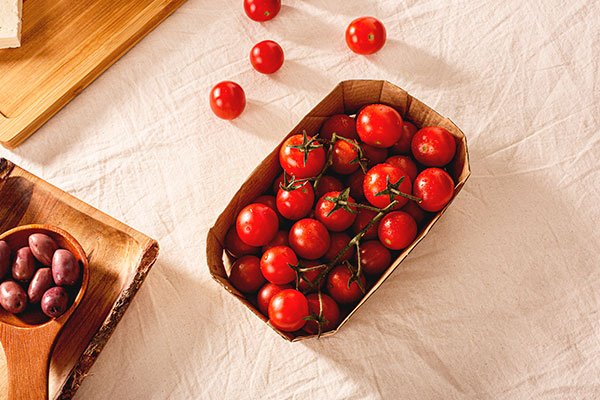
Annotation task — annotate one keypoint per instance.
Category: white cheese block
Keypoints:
(11, 12)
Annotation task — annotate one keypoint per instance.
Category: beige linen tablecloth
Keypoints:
(500, 301)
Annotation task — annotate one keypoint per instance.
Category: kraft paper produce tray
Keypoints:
(119, 259)
(347, 97)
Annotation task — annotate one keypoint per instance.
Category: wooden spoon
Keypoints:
(28, 338)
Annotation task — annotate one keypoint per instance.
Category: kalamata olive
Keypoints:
(54, 302)
(42, 281)
(65, 268)
(4, 258)
(12, 297)
(42, 247)
(23, 267)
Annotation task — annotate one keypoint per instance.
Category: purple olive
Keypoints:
(42, 247)
(24, 265)
(12, 297)
(65, 268)
(42, 281)
(4, 258)
(54, 302)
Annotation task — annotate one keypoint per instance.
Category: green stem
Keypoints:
(408, 196)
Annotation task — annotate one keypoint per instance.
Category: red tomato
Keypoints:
(365, 35)
(280, 239)
(375, 155)
(402, 146)
(355, 182)
(413, 209)
(297, 203)
(339, 240)
(257, 224)
(292, 159)
(397, 230)
(262, 10)
(328, 184)
(235, 246)
(345, 157)
(266, 293)
(337, 285)
(376, 181)
(362, 219)
(274, 265)
(311, 275)
(340, 220)
(435, 187)
(379, 125)
(245, 274)
(329, 310)
(276, 183)
(266, 57)
(309, 239)
(374, 257)
(342, 124)
(227, 100)
(406, 164)
(433, 146)
(287, 310)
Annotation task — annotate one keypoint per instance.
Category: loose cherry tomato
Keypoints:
(337, 285)
(355, 182)
(266, 57)
(402, 146)
(415, 211)
(328, 183)
(339, 240)
(433, 146)
(257, 224)
(406, 164)
(340, 219)
(397, 230)
(345, 157)
(375, 155)
(227, 100)
(262, 10)
(311, 275)
(274, 265)
(297, 203)
(245, 274)
(266, 293)
(329, 311)
(309, 239)
(342, 124)
(435, 187)
(379, 125)
(376, 182)
(292, 159)
(363, 218)
(374, 257)
(280, 239)
(365, 35)
(287, 310)
(235, 246)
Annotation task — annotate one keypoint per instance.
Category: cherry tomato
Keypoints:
(262, 10)
(337, 285)
(276, 183)
(311, 275)
(309, 239)
(297, 203)
(406, 164)
(365, 35)
(435, 187)
(342, 124)
(292, 159)
(227, 100)
(345, 157)
(339, 220)
(257, 224)
(375, 155)
(280, 239)
(433, 146)
(266, 57)
(235, 246)
(245, 274)
(266, 293)
(339, 240)
(329, 310)
(287, 310)
(397, 230)
(274, 265)
(379, 125)
(376, 181)
(402, 146)
(374, 257)
(415, 211)
(328, 183)
(363, 218)
(355, 182)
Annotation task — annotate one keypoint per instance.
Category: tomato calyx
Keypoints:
(355, 276)
(392, 190)
(300, 275)
(292, 184)
(360, 159)
(341, 202)
(307, 145)
(319, 319)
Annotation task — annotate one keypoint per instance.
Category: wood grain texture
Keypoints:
(65, 46)
(119, 260)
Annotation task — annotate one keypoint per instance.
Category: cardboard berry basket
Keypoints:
(347, 97)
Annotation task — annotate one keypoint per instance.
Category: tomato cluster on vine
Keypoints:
(349, 200)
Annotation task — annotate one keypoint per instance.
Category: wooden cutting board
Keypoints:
(66, 44)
